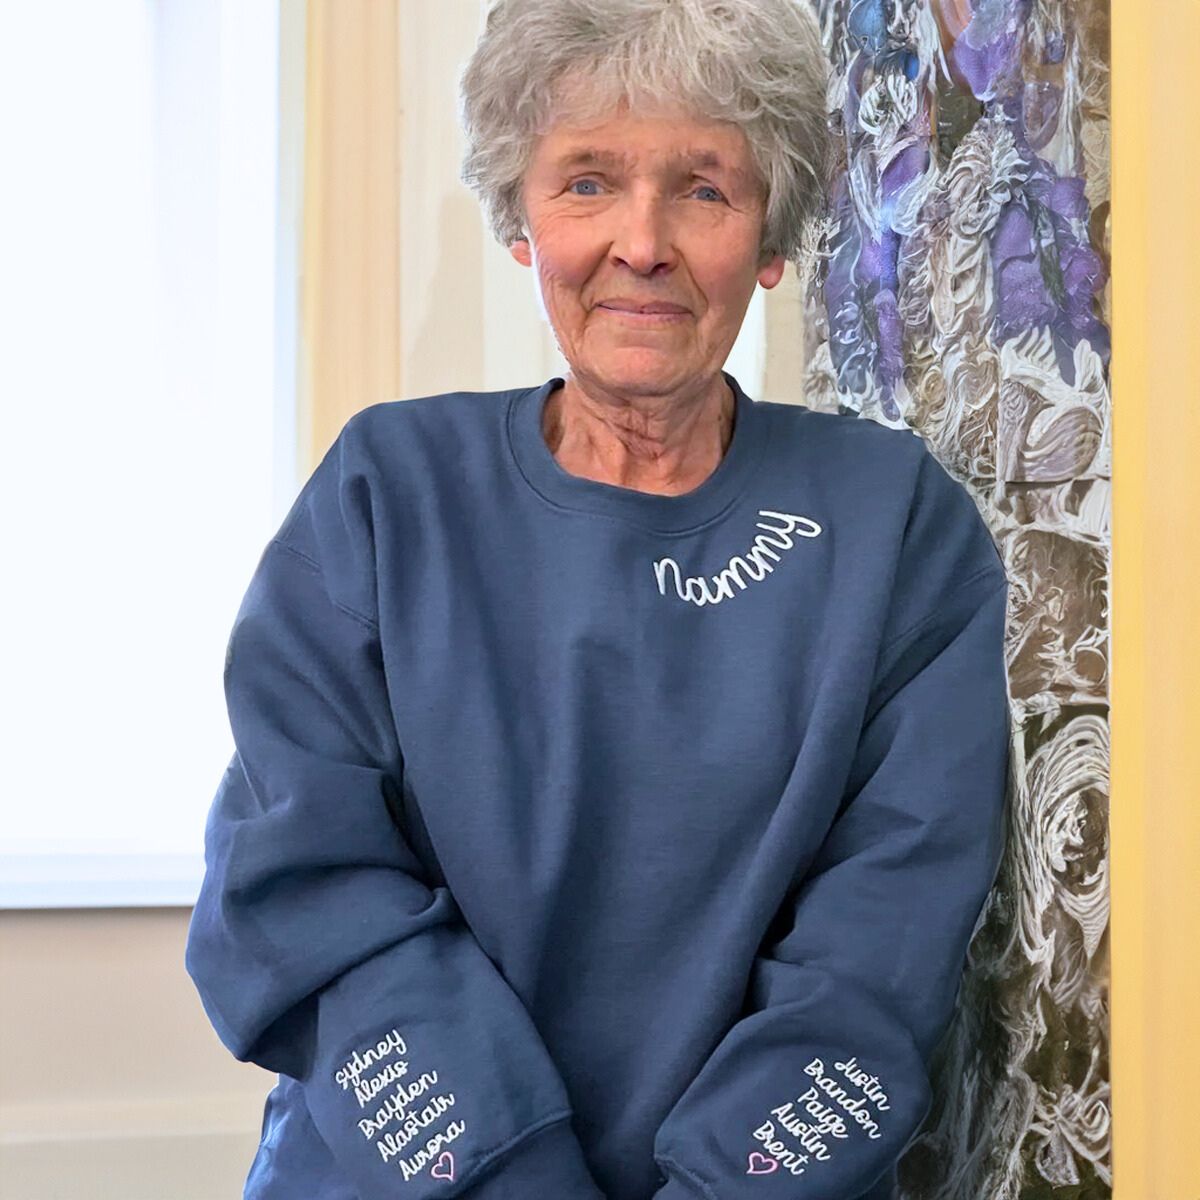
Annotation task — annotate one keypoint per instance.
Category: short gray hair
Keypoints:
(760, 64)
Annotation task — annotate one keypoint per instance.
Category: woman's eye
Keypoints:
(578, 182)
(708, 187)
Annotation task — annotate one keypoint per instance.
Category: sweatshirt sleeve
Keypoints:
(318, 945)
(823, 1082)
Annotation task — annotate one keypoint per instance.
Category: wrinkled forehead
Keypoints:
(572, 134)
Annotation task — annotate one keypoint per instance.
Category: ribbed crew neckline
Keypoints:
(667, 514)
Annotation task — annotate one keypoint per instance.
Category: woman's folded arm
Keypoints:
(318, 946)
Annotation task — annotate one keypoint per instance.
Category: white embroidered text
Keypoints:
(406, 1112)
(755, 564)
(826, 1111)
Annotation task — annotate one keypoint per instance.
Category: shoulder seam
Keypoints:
(916, 628)
(362, 618)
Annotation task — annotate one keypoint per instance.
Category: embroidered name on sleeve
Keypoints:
(838, 1104)
(399, 1108)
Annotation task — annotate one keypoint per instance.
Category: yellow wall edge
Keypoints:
(1155, 661)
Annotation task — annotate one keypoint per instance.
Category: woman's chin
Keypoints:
(638, 369)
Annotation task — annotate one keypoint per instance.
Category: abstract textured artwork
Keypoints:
(960, 289)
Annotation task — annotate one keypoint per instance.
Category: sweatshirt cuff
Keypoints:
(548, 1163)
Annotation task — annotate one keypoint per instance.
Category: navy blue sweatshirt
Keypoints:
(582, 842)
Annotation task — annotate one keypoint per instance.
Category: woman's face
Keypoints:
(639, 210)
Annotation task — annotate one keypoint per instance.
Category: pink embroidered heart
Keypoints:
(444, 1167)
(760, 1164)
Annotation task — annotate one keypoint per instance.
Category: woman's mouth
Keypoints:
(646, 318)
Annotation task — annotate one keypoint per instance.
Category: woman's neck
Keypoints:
(666, 445)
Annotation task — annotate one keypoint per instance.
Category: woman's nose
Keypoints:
(643, 236)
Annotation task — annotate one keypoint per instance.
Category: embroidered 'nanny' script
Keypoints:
(696, 589)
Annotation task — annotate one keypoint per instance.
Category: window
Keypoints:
(146, 303)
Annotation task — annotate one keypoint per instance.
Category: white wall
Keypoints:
(114, 1086)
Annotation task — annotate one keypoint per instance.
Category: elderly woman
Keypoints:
(621, 760)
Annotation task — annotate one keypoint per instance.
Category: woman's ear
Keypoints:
(772, 271)
(521, 252)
